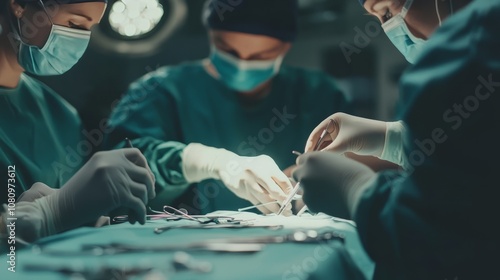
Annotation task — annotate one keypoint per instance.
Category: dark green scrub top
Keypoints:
(174, 106)
(440, 220)
(40, 134)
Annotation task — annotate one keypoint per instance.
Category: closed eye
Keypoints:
(75, 26)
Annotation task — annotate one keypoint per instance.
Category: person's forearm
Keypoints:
(31, 222)
(165, 160)
(371, 212)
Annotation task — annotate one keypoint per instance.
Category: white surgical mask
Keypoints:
(63, 49)
(241, 75)
(400, 35)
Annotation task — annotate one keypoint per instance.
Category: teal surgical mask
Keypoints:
(63, 49)
(242, 75)
(400, 35)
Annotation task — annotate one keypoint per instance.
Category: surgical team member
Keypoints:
(36, 125)
(385, 139)
(211, 119)
(437, 219)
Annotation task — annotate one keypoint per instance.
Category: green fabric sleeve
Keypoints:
(147, 109)
(435, 221)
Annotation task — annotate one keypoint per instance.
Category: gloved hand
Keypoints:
(332, 184)
(38, 190)
(350, 134)
(119, 178)
(256, 179)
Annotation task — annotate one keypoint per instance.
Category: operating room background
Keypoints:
(326, 27)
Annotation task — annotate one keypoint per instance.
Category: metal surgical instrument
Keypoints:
(330, 128)
(120, 248)
(299, 236)
(212, 226)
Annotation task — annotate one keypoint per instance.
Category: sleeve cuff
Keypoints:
(393, 146)
(198, 162)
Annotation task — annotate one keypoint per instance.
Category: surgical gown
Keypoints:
(175, 106)
(440, 219)
(40, 134)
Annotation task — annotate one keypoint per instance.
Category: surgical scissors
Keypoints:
(330, 128)
(296, 197)
(173, 214)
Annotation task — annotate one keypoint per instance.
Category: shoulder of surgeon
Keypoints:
(309, 78)
(44, 95)
(165, 78)
(314, 86)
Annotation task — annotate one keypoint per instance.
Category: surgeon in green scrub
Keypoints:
(384, 140)
(38, 128)
(437, 219)
(217, 118)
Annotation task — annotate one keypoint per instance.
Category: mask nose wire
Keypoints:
(19, 31)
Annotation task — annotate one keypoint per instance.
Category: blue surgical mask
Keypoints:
(63, 49)
(242, 75)
(400, 35)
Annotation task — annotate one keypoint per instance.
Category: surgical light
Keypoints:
(132, 18)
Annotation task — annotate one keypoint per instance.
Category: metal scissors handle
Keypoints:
(289, 198)
(330, 128)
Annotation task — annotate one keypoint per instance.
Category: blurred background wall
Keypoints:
(336, 36)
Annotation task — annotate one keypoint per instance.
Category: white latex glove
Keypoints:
(393, 146)
(109, 180)
(350, 134)
(38, 190)
(362, 136)
(256, 179)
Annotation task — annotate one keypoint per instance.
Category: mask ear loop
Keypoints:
(437, 12)
(406, 8)
(46, 12)
(19, 35)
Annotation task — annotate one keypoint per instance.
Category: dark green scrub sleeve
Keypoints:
(439, 219)
(147, 116)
